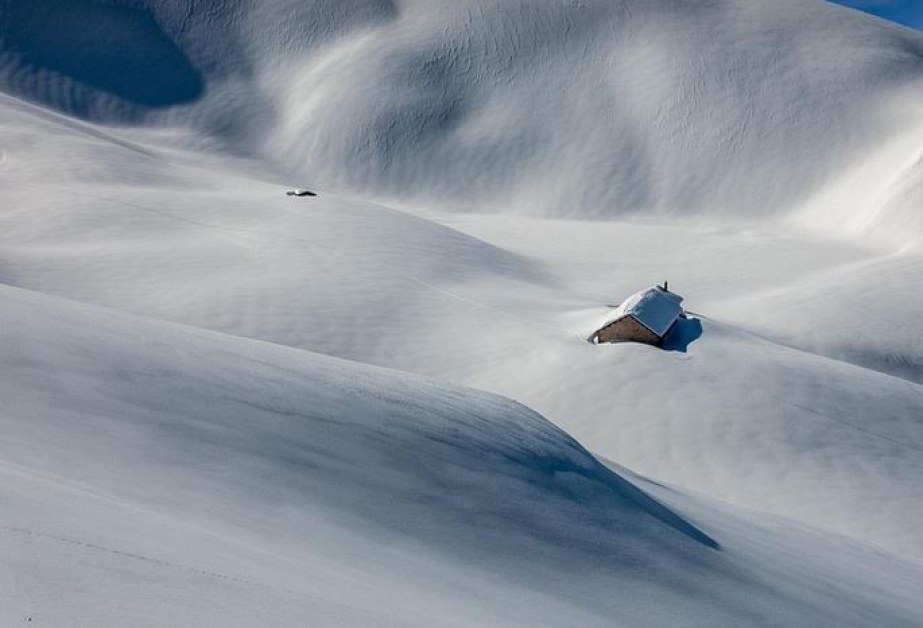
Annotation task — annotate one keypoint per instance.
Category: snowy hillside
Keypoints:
(196, 429)
(589, 108)
(253, 484)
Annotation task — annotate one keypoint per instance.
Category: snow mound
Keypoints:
(504, 304)
(251, 474)
(723, 109)
(765, 156)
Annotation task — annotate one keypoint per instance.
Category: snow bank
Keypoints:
(250, 474)
(577, 109)
(505, 304)
(156, 474)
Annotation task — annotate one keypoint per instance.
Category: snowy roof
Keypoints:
(653, 307)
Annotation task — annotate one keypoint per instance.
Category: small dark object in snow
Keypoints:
(300, 192)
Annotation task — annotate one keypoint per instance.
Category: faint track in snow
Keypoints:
(134, 556)
(859, 428)
(497, 310)
(72, 124)
(195, 571)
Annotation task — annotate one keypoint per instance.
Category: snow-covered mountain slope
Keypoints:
(591, 108)
(250, 483)
(494, 177)
(499, 304)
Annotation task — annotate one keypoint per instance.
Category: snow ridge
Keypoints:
(720, 109)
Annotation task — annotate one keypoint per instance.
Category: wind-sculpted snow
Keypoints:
(141, 436)
(580, 109)
(505, 304)
(764, 157)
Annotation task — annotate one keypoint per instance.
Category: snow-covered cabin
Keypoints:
(646, 316)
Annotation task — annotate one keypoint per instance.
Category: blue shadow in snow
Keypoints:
(114, 48)
(684, 332)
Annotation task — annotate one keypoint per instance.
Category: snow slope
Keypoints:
(493, 302)
(494, 178)
(590, 108)
(199, 478)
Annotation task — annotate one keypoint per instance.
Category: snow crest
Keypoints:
(589, 109)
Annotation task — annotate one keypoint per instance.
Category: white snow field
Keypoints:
(161, 475)
(195, 428)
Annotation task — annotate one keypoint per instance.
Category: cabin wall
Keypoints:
(627, 329)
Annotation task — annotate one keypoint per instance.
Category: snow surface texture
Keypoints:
(574, 108)
(255, 484)
(494, 178)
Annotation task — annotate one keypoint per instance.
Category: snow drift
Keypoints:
(492, 176)
(505, 304)
(269, 482)
(581, 109)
